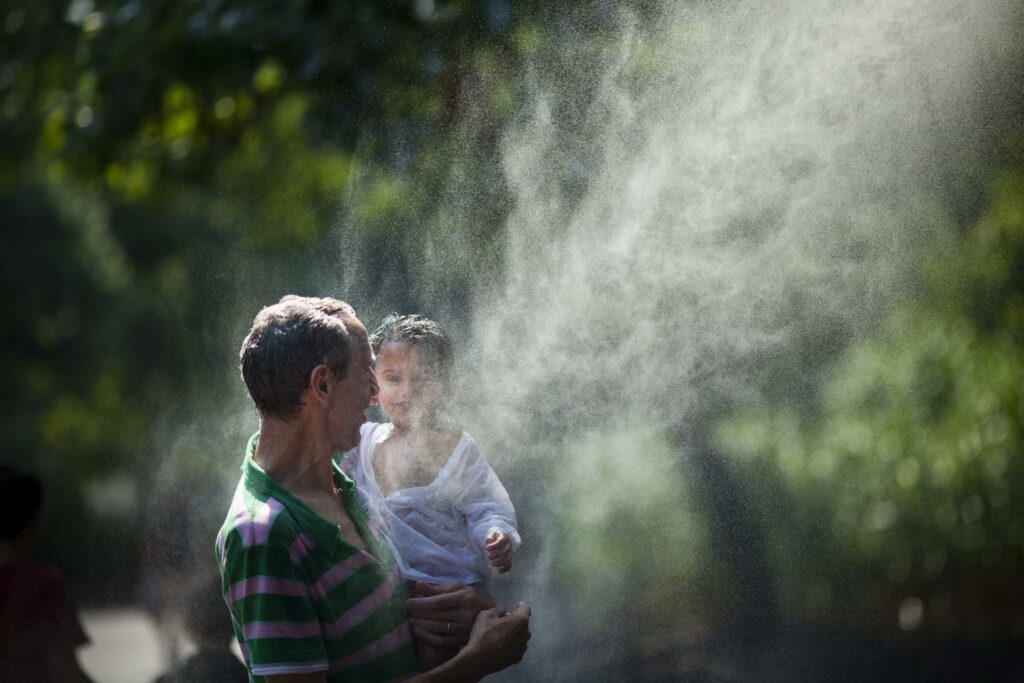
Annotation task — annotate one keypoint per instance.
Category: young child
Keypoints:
(426, 486)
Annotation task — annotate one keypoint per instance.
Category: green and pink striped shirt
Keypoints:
(301, 598)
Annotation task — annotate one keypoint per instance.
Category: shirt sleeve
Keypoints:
(484, 500)
(273, 612)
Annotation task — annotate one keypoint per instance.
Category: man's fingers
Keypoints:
(438, 620)
(439, 606)
(424, 589)
(496, 612)
(441, 633)
(440, 626)
(438, 639)
(522, 610)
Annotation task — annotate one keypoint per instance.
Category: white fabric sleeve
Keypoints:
(483, 499)
(349, 462)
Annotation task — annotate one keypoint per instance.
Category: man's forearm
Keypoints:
(462, 668)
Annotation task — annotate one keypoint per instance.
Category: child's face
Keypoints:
(410, 386)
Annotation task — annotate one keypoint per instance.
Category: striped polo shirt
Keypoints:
(301, 598)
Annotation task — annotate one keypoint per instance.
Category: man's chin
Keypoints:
(345, 445)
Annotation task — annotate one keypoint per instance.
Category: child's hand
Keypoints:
(499, 550)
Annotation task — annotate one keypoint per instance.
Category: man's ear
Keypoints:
(320, 380)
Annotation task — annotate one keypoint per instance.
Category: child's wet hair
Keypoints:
(426, 334)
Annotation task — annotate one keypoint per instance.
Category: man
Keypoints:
(314, 595)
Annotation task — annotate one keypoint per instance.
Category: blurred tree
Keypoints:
(912, 469)
(636, 554)
(165, 165)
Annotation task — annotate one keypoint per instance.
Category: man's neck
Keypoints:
(296, 455)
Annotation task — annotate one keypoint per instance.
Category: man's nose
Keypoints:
(374, 387)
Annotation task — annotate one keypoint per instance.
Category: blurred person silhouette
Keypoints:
(208, 626)
(39, 627)
(171, 559)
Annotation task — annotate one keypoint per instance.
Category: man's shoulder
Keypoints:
(257, 518)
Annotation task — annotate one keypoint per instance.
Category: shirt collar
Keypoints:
(320, 530)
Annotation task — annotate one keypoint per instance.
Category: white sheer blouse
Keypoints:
(436, 531)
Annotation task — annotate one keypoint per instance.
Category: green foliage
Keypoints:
(165, 165)
(626, 511)
(912, 468)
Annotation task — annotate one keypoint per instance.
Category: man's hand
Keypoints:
(499, 550)
(499, 639)
(442, 615)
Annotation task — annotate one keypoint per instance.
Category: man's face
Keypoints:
(351, 395)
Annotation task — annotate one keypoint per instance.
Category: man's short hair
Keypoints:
(286, 342)
(426, 334)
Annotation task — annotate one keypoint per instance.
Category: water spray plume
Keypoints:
(753, 176)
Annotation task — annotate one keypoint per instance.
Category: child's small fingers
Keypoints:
(499, 560)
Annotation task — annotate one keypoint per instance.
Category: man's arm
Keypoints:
(496, 641)
(452, 615)
(442, 615)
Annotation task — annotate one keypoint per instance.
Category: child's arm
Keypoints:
(488, 510)
(499, 550)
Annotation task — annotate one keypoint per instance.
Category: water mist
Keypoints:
(754, 175)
